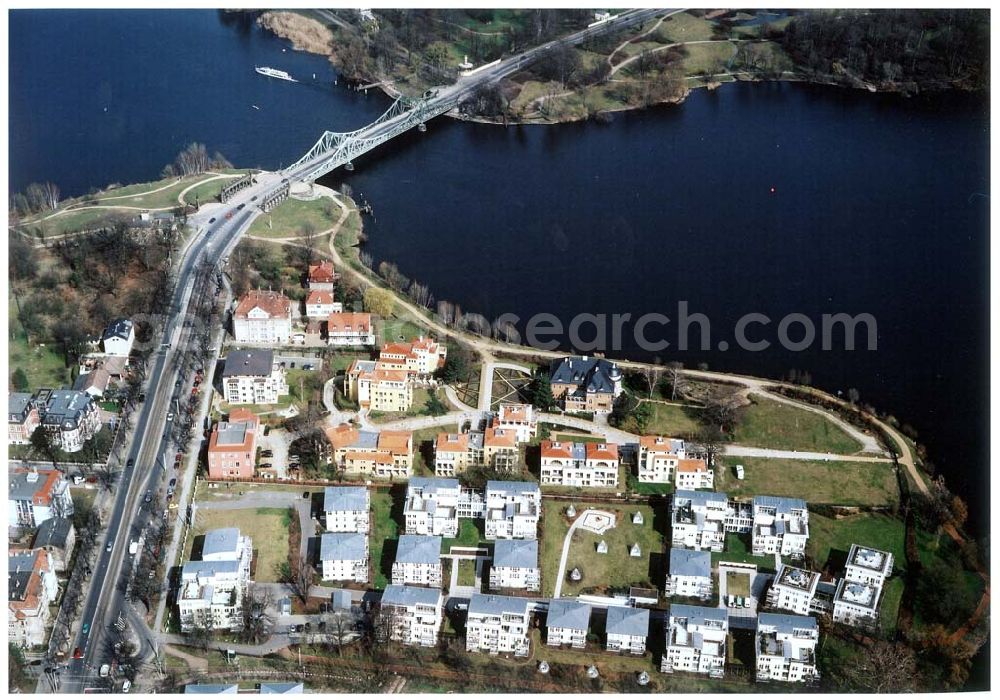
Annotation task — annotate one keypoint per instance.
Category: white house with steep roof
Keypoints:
(567, 623)
(418, 561)
(690, 574)
(347, 509)
(344, 556)
(118, 337)
(414, 614)
(498, 624)
(786, 648)
(696, 640)
(626, 630)
(515, 565)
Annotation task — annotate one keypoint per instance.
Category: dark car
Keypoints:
(212, 220)
(130, 462)
(305, 494)
(148, 497)
(254, 198)
(173, 483)
(242, 205)
(86, 628)
(78, 653)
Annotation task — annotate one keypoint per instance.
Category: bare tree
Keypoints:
(652, 374)
(303, 577)
(256, 613)
(884, 667)
(675, 376)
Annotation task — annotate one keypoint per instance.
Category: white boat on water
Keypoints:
(274, 73)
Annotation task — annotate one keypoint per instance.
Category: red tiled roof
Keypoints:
(276, 304)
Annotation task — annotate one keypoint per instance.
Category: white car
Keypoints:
(170, 417)
(126, 685)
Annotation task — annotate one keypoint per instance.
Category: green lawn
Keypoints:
(847, 483)
(341, 360)
(869, 529)
(739, 549)
(208, 192)
(710, 58)
(892, 594)
(469, 535)
(466, 572)
(44, 365)
(293, 216)
(672, 420)
(616, 569)
(383, 528)
(768, 423)
(646, 489)
(268, 527)
(684, 27)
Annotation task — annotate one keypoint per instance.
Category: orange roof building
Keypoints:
(419, 356)
(378, 387)
(31, 588)
(263, 317)
(658, 458)
(322, 276)
(586, 465)
(383, 455)
(232, 449)
(692, 474)
(349, 328)
(320, 304)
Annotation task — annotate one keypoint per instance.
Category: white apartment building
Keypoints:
(320, 304)
(868, 565)
(626, 630)
(498, 625)
(856, 604)
(344, 556)
(70, 417)
(263, 317)
(793, 589)
(696, 640)
(212, 589)
(253, 377)
(418, 561)
(432, 506)
(515, 565)
(519, 418)
(118, 337)
(37, 495)
(512, 509)
(658, 457)
(697, 520)
(31, 588)
(349, 328)
(693, 474)
(567, 623)
(690, 574)
(347, 509)
(786, 648)
(585, 465)
(780, 526)
(415, 614)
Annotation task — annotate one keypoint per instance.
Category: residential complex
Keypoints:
(253, 377)
(418, 561)
(696, 640)
(69, 417)
(697, 520)
(567, 623)
(320, 304)
(344, 328)
(118, 338)
(31, 588)
(454, 453)
(512, 509)
(690, 574)
(786, 648)
(321, 276)
(588, 384)
(498, 625)
(379, 388)
(868, 565)
(57, 536)
(232, 448)
(585, 465)
(431, 506)
(347, 509)
(658, 458)
(36, 495)
(515, 565)
(344, 556)
(780, 526)
(793, 589)
(519, 418)
(212, 590)
(856, 603)
(419, 357)
(693, 474)
(414, 614)
(626, 630)
(382, 455)
(22, 418)
(263, 317)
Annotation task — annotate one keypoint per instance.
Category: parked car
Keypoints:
(110, 546)
(148, 497)
(86, 628)
(305, 494)
(78, 653)
(173, 483)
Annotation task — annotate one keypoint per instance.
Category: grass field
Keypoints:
(466, 572)
(268, 527)
(684, 27)
(292, 217)
(710, 58)
(878, 531)
(421, 465)
(738, 549)
(207, 192)
(469, 535)
(43, 364)
(737, 584)
(888, 610)
(846, 483)
(384, 528)
(616, 569)
(779, 426)
(672, 420)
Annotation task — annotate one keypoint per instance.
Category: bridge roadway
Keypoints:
(215, 236)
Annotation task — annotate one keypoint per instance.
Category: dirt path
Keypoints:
(194, 663)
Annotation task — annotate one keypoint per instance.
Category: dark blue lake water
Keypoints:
(877, 204)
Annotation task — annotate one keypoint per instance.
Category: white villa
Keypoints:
(856, 604)
(212, 589)
(432, 506)
(786, 648)
(567, 623)
(586, 465)
(780, 526)
(793, 589)
(696, 640)
(518, 417)
(253, 377)
(415, 614)
(347, 509)
(693, 474)
(867, 565)
(498, 625)
(690, 574)
(344, 556)
(627, 629)
(698, 520)
(418, 561)
(515, 565)
(658, 458)
(263, 316)
(32, 587)
(118, 338)
(37, 495)
(512, 509)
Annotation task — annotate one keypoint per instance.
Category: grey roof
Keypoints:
(365, 365)
(231, 433)
(342, 600)
(781, 504)
(66, 407)
(592, 374)
(19, 568)
(697, 614)
(786, 623)
(700, 498)
(341, 498)
(483, 604)
(54, 532)
(18, 405)
(687, 562)
(633, 622)
(339, 546)
(516, 554)
(209, 568)
(410, 595)
(868, 558)
(224, 540)
(367, 440)
(476, 440)
(281, 688)
(210, 688)
(418, 549)
(432, 484)
(512, 487)
(21, 487)
(249, 363)
(119, 328)
(568, 613)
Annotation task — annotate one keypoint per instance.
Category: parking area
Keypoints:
(274, 452)
(746, 586)
(299, 361)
